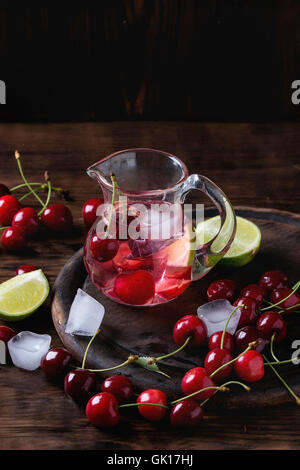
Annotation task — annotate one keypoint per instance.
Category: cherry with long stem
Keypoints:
(295, 288)
(18, 158)
(251, 346)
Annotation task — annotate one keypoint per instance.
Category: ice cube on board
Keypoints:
(86, 315)
(27, 349)
(215, 314)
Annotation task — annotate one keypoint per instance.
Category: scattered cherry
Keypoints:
(250, 366)
(4, 190)
(249, 334)
(136, 288)
(187, 413)
(196, 379)
(281, 293)
(249, 309)
(89, 210)
(273, 279)
(119, 386)
(221, 289)
(27, 219)
(13, 239)
(6, 334)
(216, 338)
(56, 362)
(102, 410)
(25, 268)
(270, 323)
(255, 292)
(215, 359)
(57, 217)
(152, 413)
(189, 325)
(80, 385)
(103, 249)
(9, 205)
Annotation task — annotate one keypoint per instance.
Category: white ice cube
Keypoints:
(86, 315)
(215, 315)
(27, 349)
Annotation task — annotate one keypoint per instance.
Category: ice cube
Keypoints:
(215, 314)
(27, 349)
(86, 315)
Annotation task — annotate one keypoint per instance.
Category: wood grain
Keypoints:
(173, 59)
(255, 164)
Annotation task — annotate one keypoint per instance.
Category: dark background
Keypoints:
(211, 60)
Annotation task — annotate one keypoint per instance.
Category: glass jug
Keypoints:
(143, 248)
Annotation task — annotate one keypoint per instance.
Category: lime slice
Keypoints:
(245, 245)
(22, 295)
(181, 253)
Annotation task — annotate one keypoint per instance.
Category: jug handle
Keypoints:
(208, 254)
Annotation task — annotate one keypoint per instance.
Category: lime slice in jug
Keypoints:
(245, 245)
(23, 295)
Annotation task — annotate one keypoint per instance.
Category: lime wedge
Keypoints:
(22, 295)
(181, 253)
(245, 245)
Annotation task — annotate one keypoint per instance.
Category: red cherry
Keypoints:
(9, 205)
(270, 323)
(13, 239)
(247, 335)
(250, 366)
(136, 288)
(4, 190)
(6, 334)
(103, 249)
(254, 291)
(221, 289)
(119, 386)
(27, 219)
(187, 414)
(25, 268)
(216, 338)
(57, 217)
(89, 210)
(215, 359)
(196, 379)
(80, 385)
(189, 325)
(249, 310)
(273, 279)
(56, 362)
(152, 413)
(102, 410)
(279, 294)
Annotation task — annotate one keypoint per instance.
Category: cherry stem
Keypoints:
(128, 361)
(227, 322)
(231, 382)
(48, 198)
(221, 388)
(29, 194)
(23, 185)
(271, 348)
(128, 405)
(251, 346)
(114, 183)
(87, 349)
(278, 363)
(18, 158)
(282, 381)
(290, 308)
(156, 359)
(3, 228)
(295, 288)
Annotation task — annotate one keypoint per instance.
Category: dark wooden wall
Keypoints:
(231, 60)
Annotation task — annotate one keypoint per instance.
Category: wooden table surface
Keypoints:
(255, 164)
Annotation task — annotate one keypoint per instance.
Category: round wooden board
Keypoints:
(148, 331)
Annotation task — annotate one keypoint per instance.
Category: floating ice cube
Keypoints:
(27, 349)
(86, 315)
(215, 315)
